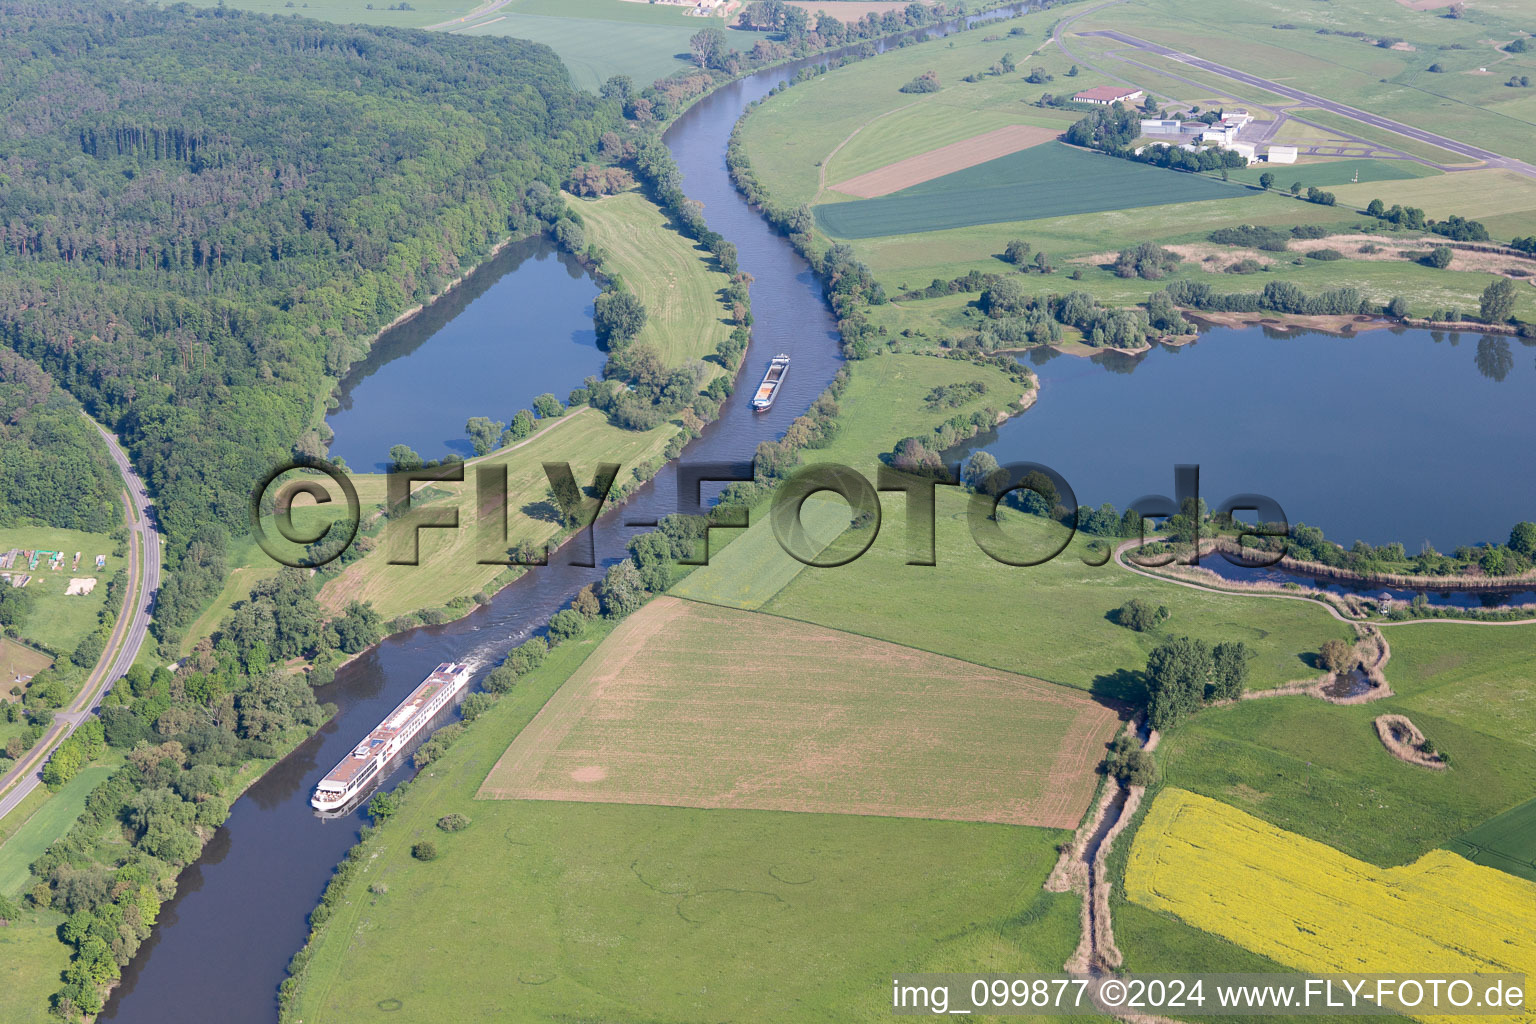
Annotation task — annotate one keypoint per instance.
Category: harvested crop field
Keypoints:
(1313, 908)
(1053, 180)
(807, 719)
(936, 163)
(1506, 842)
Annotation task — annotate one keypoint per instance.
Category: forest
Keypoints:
(208, 215)
(54, 468)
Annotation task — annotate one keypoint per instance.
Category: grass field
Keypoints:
(678, 281)
(901, 261)
(237, 587)
(32, 964)
(594, 38)
(1048, 621)
(47, 822)
(1340, 171)
(947, 159)
(1506, 842)
(923, 127)
(599, 38)
(59, 621)
(788, 138)
(1371, 133)
(541, 910)
(1315, 909)
(755, 566)
(367, 12)
(1318, 770)
(1252, 35)
(804, 719)
(1503, 200)
(1051, 180)
(18, 662)
(448, 559)
(1477, 677)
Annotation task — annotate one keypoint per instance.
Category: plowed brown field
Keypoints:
(936, 163)
(695, 705)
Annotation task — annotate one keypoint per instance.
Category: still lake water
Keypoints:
(241, 909)
(519, 326)
(1390, 435)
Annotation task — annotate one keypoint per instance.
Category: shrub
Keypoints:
(424, 850)
(1325, 254)
(566, 625)
(1266, 238)
(1139, 615)
(453, 822)
(1130, 764)
(1439, 257)
(928, 81)
(1336, 656)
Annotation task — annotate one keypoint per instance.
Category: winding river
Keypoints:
(221, 945)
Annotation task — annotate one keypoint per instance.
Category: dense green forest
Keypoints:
(206, 215)
(54, 468)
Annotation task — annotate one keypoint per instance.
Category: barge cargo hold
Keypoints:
(768, 390)
(344, 782)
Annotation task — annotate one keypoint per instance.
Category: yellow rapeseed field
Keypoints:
(1311, 907)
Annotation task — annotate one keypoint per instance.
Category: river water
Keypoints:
(221, 946)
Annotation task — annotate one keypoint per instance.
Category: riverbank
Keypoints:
(687, 322)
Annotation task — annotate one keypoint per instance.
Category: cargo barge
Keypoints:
(344, 782)
(768, 390)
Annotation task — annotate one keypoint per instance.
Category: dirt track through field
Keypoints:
(936, 163)
(695, 705)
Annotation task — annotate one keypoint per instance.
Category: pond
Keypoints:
(1387, 435)
(519, 326)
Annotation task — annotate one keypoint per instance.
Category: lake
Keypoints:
(1390, 435)
(519, 326)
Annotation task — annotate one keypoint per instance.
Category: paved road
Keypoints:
(1322, 103)
(122, 648)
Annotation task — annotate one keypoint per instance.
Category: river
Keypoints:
(221, 945)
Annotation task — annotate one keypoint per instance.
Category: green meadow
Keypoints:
(33, 831)
(32, 964)
(560, 910)
(59, 621)
(600, 38)
(1318, 769)
(1050, 180)
(1050, 621)
(1303, 45)
(1506, 842)
(1334, 172)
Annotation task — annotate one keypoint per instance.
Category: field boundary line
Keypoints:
(940, 654)
(821, 172)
